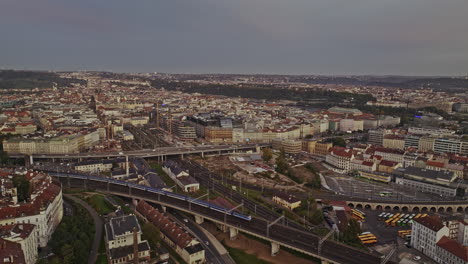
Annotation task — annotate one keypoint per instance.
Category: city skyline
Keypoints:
(254, 37)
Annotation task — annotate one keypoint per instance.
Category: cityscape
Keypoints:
(234, 132)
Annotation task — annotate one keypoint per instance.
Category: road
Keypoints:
(212, 254)
(98, 226)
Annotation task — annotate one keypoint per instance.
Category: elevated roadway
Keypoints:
(148, 153)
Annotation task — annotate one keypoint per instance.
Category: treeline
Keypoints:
(71, 242)
(10, 79)
(266, 92)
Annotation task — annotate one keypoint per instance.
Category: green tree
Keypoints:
(22, 186)
(339, 141)
(68, 254)
(267, 154)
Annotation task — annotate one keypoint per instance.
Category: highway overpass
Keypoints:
(277, 234)
(147, 153)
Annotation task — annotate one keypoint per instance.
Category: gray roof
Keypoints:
(121, 252)
(425, 173)
(194, 249)
(118, 226)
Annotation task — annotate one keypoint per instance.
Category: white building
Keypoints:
(120, 240)
(426, 232)
(25, 236)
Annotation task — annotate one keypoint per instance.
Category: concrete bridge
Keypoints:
(435, 206)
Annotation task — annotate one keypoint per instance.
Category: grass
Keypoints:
(151, 233)
(125, 208)
(100, 204)
(73, 190)
(166, 179)
(101, 259)
(240, 257)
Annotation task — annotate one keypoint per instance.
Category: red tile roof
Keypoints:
(11, 251)
(388, 163)
(167, 227)
(454, 247)
(432, 222)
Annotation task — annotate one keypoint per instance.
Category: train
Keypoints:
(158, 191)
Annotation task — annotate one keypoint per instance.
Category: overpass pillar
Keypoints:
(127, 167)
(257, 149)
(163, 208)
(203, 154)
(182, 156)
(198, 219)
(275, 247)
(233, 232)
(31, 160)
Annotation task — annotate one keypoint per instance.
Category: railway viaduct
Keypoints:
(416, 206)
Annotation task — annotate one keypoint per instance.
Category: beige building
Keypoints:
(289, 146)
(394, 142)
(287, 201)
(322, 148)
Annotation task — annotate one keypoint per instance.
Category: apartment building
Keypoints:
(289, 146)
(18, 243)
(451, 145)
(340, 158)
(425, 233)
(122, 234)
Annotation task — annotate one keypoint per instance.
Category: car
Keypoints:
(185, 220)
(120, 153)
(417, 258)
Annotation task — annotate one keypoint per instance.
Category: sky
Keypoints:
(329, 37)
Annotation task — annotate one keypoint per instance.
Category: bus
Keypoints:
(368, 241)
(417, 216)
(358, 211)
(403, 233)
(385, 193)
(362, 237)
(358, 215)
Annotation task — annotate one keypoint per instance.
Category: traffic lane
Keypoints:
(211, 253)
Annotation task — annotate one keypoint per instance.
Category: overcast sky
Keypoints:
(410, 37)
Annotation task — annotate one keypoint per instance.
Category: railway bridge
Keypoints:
(327, 251)
(414, 206)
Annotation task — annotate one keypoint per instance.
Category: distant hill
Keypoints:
(11, 79)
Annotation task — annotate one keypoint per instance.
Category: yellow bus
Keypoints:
(363, 237)
(403, 233)
(369, 241)
(417, 216)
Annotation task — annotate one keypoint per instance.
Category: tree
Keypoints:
(68, 255)
(339, 141)
(267, 154)
(22, 186)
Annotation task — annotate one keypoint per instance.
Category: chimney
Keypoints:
(135, 246)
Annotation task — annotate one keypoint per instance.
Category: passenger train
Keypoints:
(157, 191)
